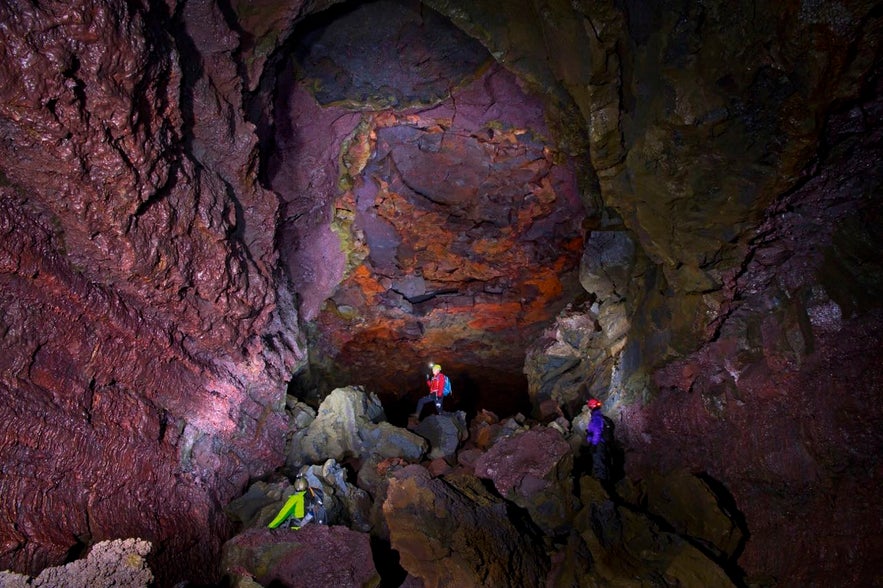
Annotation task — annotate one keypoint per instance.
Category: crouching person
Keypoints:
(303, 507)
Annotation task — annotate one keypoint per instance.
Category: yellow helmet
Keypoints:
(435, 367)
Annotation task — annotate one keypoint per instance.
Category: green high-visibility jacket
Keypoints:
(294, 507)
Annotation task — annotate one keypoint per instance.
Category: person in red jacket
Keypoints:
(436, 390)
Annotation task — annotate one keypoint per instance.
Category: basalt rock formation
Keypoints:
(207, 205)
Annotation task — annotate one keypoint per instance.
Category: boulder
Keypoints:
(444, 432)
(533, 470)
(693, 509)
(627, 544)
(316, 555)
(259, 504)
(452, 532)
(351, 423)
(374, 476)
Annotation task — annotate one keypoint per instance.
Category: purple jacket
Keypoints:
(596, 427)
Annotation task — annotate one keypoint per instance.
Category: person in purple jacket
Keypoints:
(595, 435)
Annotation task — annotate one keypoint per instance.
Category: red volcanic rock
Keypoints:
(144, 339)
(452, 532)
(436, 238)
(533, 470)
(786, 395)
(316, 555)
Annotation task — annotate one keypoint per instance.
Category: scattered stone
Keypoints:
(351, 424)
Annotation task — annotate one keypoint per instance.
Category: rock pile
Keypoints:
(487, 503)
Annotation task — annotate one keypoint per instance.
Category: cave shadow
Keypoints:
(387, 564)
(727, 504)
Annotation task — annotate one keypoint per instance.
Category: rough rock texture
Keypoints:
(449, 231)
(351, 424)
(109, 564)
(620, 546)
(144, 337)
(534, 470)
(316, 555)
(452, 532)
(444, 432)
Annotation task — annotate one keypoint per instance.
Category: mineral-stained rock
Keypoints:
(533, 470)
(109, 564)
(316, 555)
(144, 341)
(452, 532)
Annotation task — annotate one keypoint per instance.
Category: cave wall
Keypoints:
(146, 337)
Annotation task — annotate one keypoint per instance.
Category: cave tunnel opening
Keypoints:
(428, 213)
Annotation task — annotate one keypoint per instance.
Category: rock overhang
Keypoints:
(451, 221)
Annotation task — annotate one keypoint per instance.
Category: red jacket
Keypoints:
(437, 385)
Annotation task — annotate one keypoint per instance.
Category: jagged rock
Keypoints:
(316, 555)
(627, 545)
(349, 424)
(693, 509)
(444, 432)
(484, 429)
(374, 476)
(607, 263)
(467, 458)
(439, 467)
(452, 532)
(301, 415)
(533, 470)
(258, 506)
(145, 320)
(345, 503)
(109, 564)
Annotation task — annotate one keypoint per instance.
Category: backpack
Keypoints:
(447, 391)
(607, 431)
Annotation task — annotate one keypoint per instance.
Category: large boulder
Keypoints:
(533, 470)
(694, 509)
(316, 555)
(351, 424)
(626, 544)
(444, 432)
(452, 532)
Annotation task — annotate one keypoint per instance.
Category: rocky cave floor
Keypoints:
(446, 501)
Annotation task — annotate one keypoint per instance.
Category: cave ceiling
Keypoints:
(438, 219)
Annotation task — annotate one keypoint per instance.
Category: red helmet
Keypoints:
(593, 403)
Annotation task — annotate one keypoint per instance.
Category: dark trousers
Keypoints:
(426, 400)
(600, 462)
